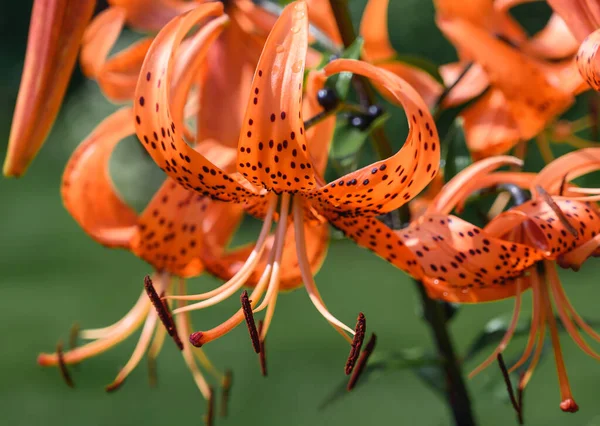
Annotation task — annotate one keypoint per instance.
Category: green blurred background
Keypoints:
(54, 275)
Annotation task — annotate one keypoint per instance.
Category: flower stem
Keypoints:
(456, 390)
(361, 85)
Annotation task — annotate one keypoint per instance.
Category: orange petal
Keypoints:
(99, 39)
(321, 16)
(152, 109)
(319, 136)
(582, 16)
(464, 264)
(386, 185)
(87, 189)
(587, 60)
(374, 31)
(152, 15)
(272, 145)
(55, 33)
(489, 126)
(569, 166)
(472, 84)
(554, 41)
(533, 96)
(425, 85)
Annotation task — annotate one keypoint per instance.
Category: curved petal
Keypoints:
(471, 85)
(554, 41)
(582, 16)
(567, 167)
(489, 126)
(387, 184)
(321, 15)
(462, 263)
(272, 146)
(374, 31)
(465, 182)
(152, 109)
(99, 39)
(425, 85)
(87, 189)
(319, 136)
(532, 95)
(588, 61)
(152, 15)
(55, 33)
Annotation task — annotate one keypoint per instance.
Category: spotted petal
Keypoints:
(87, 190)
(55, 34)
(155, 126)
(387, 184)
(569, 166)
(588, 61)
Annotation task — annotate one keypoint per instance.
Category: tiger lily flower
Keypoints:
(518, 105)
(377, 48)
(277, 178)
(168, 235)
(553, 229)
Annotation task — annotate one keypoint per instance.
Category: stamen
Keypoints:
(162, 309)
(359, 336)
(64, 372)
(559, 213)
(227, 382)
(362, 362)
(563, 184)
(509, 386)
(306, 273)
(73, 336)
(247, 308)
(262, 356)
(210, 412)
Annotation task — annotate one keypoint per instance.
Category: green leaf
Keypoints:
(341, 82)
(457, 156)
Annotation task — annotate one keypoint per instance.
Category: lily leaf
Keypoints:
(457, 155)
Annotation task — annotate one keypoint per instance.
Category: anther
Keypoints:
(362, 362)
(509, 386)
(210, 410)
(262, 356)
(73, 336)
(559, 213)
(247, 308)
(63, 367)
(163, 311)
(359, 337)
(227, 381)
(520, 390)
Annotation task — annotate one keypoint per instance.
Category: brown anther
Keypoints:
(73, 336)
(63, 367)
(362, 362)
(247, 308)
(563, 184)
(509, 387)
(210, 411)
(162, 309)
(569, 406)
(359, 337)
(520, 390)
(262, 355)
(227, 382)
(559, 213)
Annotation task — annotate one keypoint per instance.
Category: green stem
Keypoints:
(456, 390)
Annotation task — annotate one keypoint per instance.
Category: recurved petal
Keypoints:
(471, 85)
(387, 184)
(566, 168)
(154, 121)
(425, 85)
(489, 126)
(321, 16)
(462, 263)
(532, 95)
(581, 16)
(87, 190)
(554, 41)
(374, 31)
(152, 15)
(99, 39)
(55, 33)
(588, 61)
(272, 145)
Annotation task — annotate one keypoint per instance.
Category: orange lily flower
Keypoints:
(525, 94)
(377, 48)
(275, 160)
(555, 228)
(168, 235)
